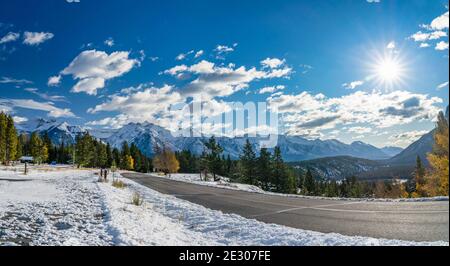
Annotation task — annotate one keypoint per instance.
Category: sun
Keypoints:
(388, 71)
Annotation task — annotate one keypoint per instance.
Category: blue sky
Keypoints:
(352, 70)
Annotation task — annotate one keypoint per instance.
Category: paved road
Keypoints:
(418, 221)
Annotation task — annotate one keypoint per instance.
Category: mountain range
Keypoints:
(147, 135)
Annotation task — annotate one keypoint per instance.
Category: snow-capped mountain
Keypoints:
(146, 136)
(293, 148)
(58, 131)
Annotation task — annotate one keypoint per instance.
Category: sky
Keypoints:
(362, 70)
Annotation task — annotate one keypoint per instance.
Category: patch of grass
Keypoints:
(118, 184)
(137, 199)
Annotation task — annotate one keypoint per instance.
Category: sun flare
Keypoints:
(388, 70)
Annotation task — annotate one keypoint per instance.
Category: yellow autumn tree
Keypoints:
(437, 180)
(166, 161)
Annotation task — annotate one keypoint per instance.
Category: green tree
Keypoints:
(11, 140)
(84, 150)
(3, 127)
(264, 168)
(212, 157)
(247, 163)
(309, 183)
(38, 148)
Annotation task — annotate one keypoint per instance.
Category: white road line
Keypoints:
(304, 207)
(386, 211)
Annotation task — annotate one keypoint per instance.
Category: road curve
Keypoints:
(417, 221)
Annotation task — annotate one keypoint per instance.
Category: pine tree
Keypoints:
(49, 146)
(248, 164)
(3, 126)
(109, 156)
(38, 149)
(125, 152)
(278, 169)
(419, 179)
(263, 168)
(11, 140)
(309, 183)
(212, 156)
(84, 150)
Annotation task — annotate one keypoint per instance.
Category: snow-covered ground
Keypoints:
(69, 207)
(224, 183)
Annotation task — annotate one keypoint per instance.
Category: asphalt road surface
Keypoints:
(418, 221)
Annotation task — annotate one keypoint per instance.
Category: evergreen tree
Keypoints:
(3, 126)
(49, 146)
(11, 140)
(263, 168)
(309, 183)
(38, 148)
(212, 156)
(248, 164)
(84, 151)
(419, 179)
(124, 156)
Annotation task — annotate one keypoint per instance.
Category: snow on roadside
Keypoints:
(51, 208)
(142, 225)
(195, 179)
(231, 229)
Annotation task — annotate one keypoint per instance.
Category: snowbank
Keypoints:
(51, 208)
(195, 179)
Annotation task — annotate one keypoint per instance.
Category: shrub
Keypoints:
(118, 184)
(137, 199)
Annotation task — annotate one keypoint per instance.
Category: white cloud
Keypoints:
(36, 38)
(305, 113)
(442, 85)
(109, 42)
(391, 45)
(271, 89)
(223, 49)
(212, 81)
(183, 56)
(424, 45)
(406, 138)
(352, 85)
(93, 68)
(45, 96)
(147, 104)
(360, 130)
(7, 80)
(54, 81)
(440, 46)
(272, 62)
(49, 107)
(198, 54)
(440, 22)
(424, 36)
(10, 37)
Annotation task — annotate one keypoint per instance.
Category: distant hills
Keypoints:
(147, 135)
